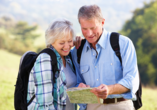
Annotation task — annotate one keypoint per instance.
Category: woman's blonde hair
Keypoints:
(58, 29)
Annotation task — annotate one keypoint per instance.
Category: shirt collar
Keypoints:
(67, 58)
(57, 54)
(87, 45)
(102, 41)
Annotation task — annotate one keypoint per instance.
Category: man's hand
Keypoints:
(77, 41)
(102, 91)
(83, 85)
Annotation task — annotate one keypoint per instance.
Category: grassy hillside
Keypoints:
(8, 72)
(149, 98)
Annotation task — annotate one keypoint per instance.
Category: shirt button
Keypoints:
(82, 70)
(93, 54)
(111, 63)
(97, 79)
(95, 66)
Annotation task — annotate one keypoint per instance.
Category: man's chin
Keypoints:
(91, 41)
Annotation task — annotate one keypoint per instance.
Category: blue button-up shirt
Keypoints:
(102, 66)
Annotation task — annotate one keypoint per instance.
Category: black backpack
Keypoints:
(114, 41)
(26, 63)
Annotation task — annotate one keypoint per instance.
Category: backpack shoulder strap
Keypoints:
(53, 62)
(79, 50)
(53, 58)
(114, 41)
(71, 61)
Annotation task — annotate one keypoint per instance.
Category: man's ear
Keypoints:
(103, 21)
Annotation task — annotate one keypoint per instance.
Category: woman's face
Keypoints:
(63, 45)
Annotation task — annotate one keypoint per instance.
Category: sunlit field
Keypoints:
(9, 64)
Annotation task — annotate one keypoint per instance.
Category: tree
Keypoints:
(25, 33)
(142, 30)
(7, 22)
(17, 37)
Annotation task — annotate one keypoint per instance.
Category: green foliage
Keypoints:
(13, 45)
(17, 38)
(142, 30)
(23, 31)
(7, 22)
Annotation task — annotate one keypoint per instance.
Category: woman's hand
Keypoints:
(77, 41)
(83, 85)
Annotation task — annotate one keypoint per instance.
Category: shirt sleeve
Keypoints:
(43, 81)
(77, 67)
(130, 78)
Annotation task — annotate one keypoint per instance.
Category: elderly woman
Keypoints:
(59, 38)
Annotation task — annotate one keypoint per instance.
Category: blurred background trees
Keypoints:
(142, 30)
(17, 37)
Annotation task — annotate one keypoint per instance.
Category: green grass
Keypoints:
(9, 64)
(8, 72)
(149, 98)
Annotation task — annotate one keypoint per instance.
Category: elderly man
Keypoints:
(99, 66)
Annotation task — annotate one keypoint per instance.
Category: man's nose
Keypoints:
(89, 33)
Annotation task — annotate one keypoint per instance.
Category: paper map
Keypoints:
(82, 95)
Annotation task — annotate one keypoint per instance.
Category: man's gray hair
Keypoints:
(90, 12)
(58, 29)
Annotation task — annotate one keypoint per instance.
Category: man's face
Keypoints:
(91, 29)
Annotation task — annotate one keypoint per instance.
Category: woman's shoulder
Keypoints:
(43, 57)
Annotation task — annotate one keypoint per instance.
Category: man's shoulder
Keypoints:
(121, 37)
(125, 43)
(124, 38)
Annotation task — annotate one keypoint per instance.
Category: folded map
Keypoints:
(82, 95)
